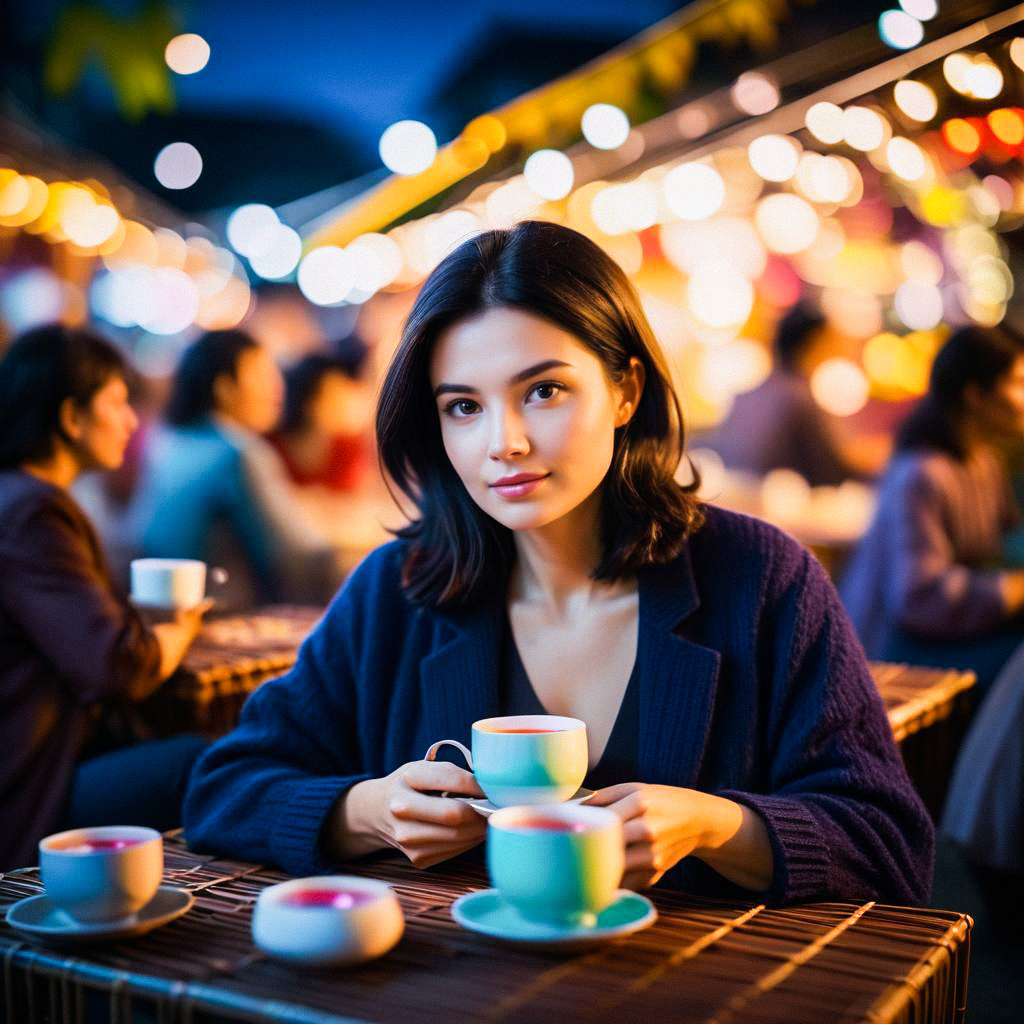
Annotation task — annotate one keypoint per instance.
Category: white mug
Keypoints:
(168, 582)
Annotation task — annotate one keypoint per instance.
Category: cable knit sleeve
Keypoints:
(843, 817)
(263, 791)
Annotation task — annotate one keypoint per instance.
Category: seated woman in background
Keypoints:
(779, 424)
(322, 433)
(214, 489)
(68, 644)
(926, 585)
(556, 567)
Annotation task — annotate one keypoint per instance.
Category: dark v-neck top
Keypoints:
(618, 762)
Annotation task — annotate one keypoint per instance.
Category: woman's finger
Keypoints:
(610, 795)
(637, 830)
(441, 776)
(410, 805)
(640, 856)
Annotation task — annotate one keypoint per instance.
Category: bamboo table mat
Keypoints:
(703, 961)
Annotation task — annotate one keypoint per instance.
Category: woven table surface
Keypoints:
(703, 960)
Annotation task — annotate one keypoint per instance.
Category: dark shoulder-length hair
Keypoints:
(213, 355)
(973, 357)
(456, 550)
(41, 370)
(303, 381)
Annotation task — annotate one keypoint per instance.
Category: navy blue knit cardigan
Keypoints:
(753, 686)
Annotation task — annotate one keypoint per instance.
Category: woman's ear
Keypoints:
(69, 417)
(630, 388)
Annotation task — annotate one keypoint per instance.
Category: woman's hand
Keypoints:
(663, 824)
(404, 810)
(175, 637)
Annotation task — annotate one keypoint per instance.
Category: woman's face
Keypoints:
(340, 406)
(528, 415)
(1000, 413)
(100, 430)
(254, 396)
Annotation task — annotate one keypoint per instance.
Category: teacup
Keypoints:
(331, 919)
(525, 759)
(168, 583)
(558, 864)
(102, 874)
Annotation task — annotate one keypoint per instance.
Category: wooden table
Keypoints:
(709, 961)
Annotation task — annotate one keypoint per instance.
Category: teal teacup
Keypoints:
(525, 759)
(559, 864)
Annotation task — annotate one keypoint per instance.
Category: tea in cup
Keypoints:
(560, 864)
(102, 874)
(168, 583)
(332, 919)
(525, 759)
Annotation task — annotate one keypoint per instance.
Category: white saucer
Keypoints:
(487, 912)
(37, 917)
(486, 808)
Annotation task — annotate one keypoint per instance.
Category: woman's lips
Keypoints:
(519, 488)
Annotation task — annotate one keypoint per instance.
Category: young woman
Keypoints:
(927, 584)
(213, 488)
(556, 566)
(69, 646)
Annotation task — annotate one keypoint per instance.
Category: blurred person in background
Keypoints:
(214, 489)
(779, 425)
(928, 583)
(70, 649)
(322, 437)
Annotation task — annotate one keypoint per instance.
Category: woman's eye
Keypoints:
(460, 407)
(546, 390)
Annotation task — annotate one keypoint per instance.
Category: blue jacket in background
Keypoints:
(753, 686)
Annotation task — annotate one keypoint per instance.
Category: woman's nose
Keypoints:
(508, 436)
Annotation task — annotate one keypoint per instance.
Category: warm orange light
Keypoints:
(1007, 126)
(961, 136)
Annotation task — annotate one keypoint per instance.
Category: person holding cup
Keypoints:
(70, 647)
(557, 568)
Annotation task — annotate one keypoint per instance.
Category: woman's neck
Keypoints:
(555, 564)
(61, 469)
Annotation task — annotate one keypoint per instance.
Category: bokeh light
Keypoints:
(961, 136)
(549, 174)
(863, 128)
(694, 191)
(900, 30)
(186, 54)
(605, 126)
(840, 387)
(326, 275)
(917, 100)
(923, 10)
(774, 157)
(918, 305)
(906, 159)
(975, 76)
(279, 256)
(755, 93)
(1007, 126)
(787, 223)
(178, 165)
(719, 295)
(251, 228)
(407, 147)
(825, 122)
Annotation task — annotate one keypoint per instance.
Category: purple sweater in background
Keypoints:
(752, 685)
(929, 562)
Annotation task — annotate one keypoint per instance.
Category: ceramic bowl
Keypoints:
(325, 935)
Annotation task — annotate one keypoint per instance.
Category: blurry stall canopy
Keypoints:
(659, 61)
(35, 150)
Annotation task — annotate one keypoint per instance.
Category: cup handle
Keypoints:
(431, 754)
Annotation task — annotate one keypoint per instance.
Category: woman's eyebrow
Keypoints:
(526, 374)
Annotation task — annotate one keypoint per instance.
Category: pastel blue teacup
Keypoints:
(560, 864)
(525, 759)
